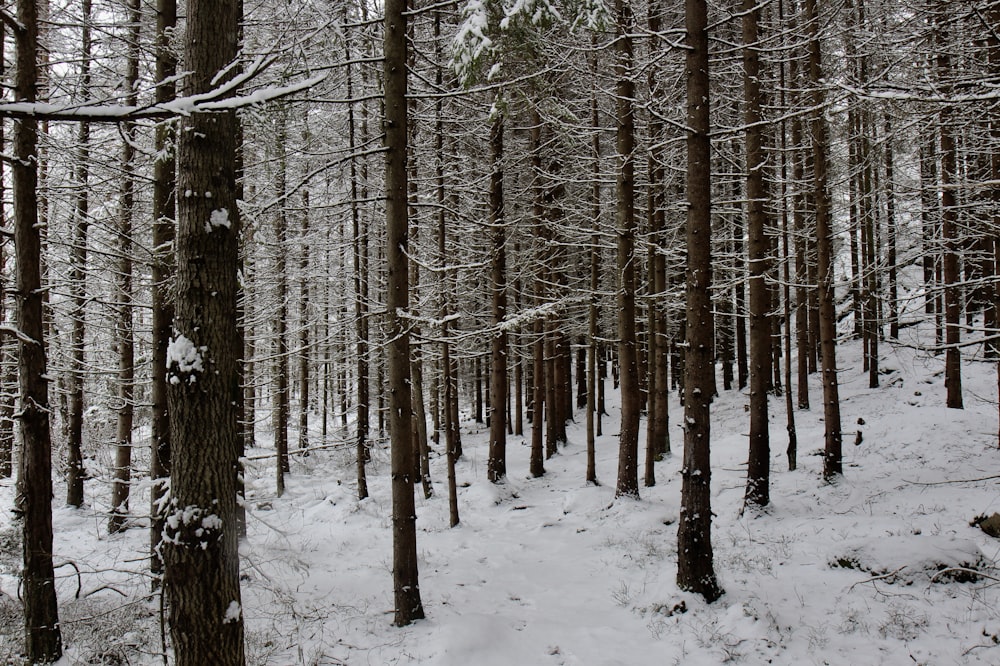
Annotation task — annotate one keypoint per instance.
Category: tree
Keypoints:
(758, 468)
(162, 270)
(695, 570)
(75, 472)
(628, 443)
(406, 584)
(832, 462)
(497, 463)
(200, 538)
(42, 636)
(125, 334)
(949, 221)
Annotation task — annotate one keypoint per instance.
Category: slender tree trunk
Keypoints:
(280, 407)
(125, 335)
(891, 231)
(628, 442)
(658, 433)
(497, 463)
(75, 471)
(798, 222)
(303, 355)
(594, 383)
(405, 578)
(758, 468)
(928, 214)
(42, 637)
(792, 450)
(359, 254)
(949, 231)
(162, 272)
(695, 570)
(832, 463)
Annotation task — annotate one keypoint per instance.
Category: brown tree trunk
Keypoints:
(359, 255)
(304, 320)
(949, 231)
(695, 570)
(832, 463)
(657, 433)
(125, 335)
(75, 471)
(42, 638)
(200, 538)
(891, 231)
(792, 450)
(758, 467)
(497, 462)
(798, 222)
(405, 578)
(162, 271)
(628, 440)
(280, 407)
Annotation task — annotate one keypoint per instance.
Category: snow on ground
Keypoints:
(552, 571)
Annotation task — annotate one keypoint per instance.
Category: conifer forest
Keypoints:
(555, 332)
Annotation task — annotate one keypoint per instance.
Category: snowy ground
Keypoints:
(552, 571)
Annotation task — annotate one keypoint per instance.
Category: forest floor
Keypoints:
(554, 571)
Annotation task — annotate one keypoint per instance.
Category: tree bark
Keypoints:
(200, 539)
(42, 637)
(280, 408)
(497, 462)
(162, 271)
(832, 462)
(758, 467)
(695, 569)
(405, 577)
(628, 440)
(75, 471)
(949, 223)
(125, 334)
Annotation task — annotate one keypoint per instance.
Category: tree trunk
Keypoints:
(832, 463)
(949, 231)
(280, 407)
(200, 538)
(695, 570)
(42, 638)
(304, 320)
(125, 335)
(658, 432)
(75, 470)
(497, 462)
(792, 450)
(758, 467)
(162, 271)
(405, 578)
(628, 441)
(359, 255)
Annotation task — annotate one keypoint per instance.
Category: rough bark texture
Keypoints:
(758, 467)
(949, 231)
(404, 551)
(125, 335)
(496, 468)
(42, 637)
(162, 270)
(280, 411)
(695, 569)
(359, 256)
(75, 472)
(200, 538)
(832, 463)
(628, 440)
